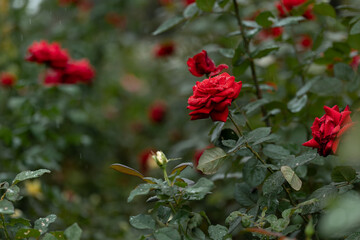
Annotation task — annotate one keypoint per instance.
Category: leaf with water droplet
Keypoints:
(42, 223)
(29, 175)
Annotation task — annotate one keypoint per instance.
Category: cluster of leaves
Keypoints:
(15, 227)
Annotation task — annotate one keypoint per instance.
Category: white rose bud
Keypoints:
(160, 158)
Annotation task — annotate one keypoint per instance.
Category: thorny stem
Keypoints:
(287, 191)
(252, 64)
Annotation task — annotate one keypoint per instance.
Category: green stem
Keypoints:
(166, 176)
(252, 64)
(5, 230)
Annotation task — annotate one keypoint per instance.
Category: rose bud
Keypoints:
(160, 159)
(290, 4)
(212, 96)
(327, 130)
(355, 61)
(157, 112)
(79, 71)
(50, 54)
(201, 64)
(164, 49)
(7, 79)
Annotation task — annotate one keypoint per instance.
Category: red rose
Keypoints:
(201, 64)
(157, 112)
(145, 160)
(290, 4)
(164, 49)
(188, 2)
(327, 130)
(305, 42)
(267, 33)
(7, 79)
(355, 61)
(212, 97)
(78, 71)
(51, 54)
(53, 77)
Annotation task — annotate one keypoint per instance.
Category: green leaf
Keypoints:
(288, 21)
(276, 152)
(190, 11)
(297, 104)
(333, 86)
(168, 24)
(241, 66)
(353, 236)
(243, 195)
(210, 161)
(264, 51)
(216, 131)
(263, 19)
(253, 173)
(217, 232)
(205, 5)
(4, 185)
(29, 175)
(142, 221)
(167, 233)
(181, 167)
(6, 207)
(141, 189)
(258, 134)
(324, 9)
(343, 174)
(251, 107)
(195, 221)
(291, 177)
(272, 184)
(59, 235)
(49, 236)
(355, 29)
(302, 159)
(323, 195)
(42, 224)
(27, 233)
(304, 89)
(199, 189)
(163, 214)
(13, 193)
(73, 232)
(129, 171)
(227, 52)
(344, 71)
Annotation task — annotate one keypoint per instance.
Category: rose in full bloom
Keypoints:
(79, 71)
(201, 64)
(213, 96)
(157, 112)
(284, 7)
(7, 79)
(164, 49)
(327, 130)
(49, 53)
(75, 72)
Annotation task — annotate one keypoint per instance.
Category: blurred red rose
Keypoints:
(290, 4)
(78, 71)
(355, 61)
(201, 64)
(267, 33)
(7, 79)
(164, 49)
(116, 20)
(157, 112)
(53, 77)
(305, 42)
(188, 2)
(48, 53)
(212, 96)
(327, 130)
(145, 160)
